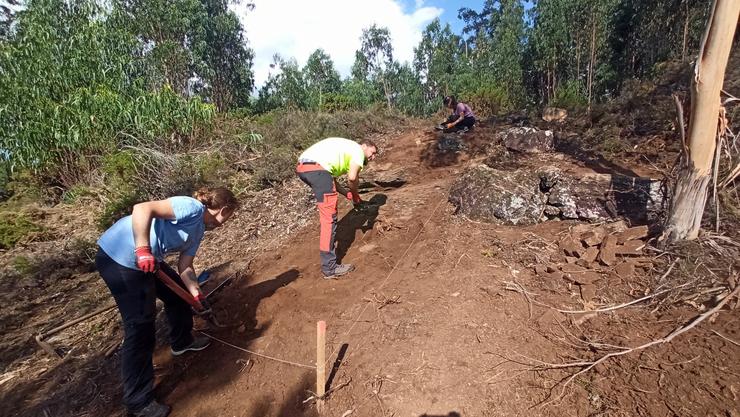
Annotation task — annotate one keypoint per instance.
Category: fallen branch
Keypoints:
(588, 365)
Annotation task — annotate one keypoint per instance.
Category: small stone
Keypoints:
(241, 329)
(552, 276)
(607, 254)
(632, 233)
(590, 254)
(584, 263)
(584, 278)
(593, 237)
(455, 294)
(580, 229)
(571, 247)
(570, 259)
(625, 270)
(572, 269)
(631, 247)
(588, 292)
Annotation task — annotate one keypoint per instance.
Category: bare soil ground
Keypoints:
(442, 317)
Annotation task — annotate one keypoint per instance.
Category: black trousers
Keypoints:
(466, 122)
(135, 292)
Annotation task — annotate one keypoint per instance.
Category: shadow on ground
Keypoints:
(358, 219)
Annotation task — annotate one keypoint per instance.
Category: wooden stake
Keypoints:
(320, 359)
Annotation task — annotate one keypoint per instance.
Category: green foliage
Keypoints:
(569, 95)
(321, 78)
(182, 40)
(286, 89)
(336, 102)
(209, 168)
(226, 62)
(54, 114)
(612, 145)
(24, 266)
(508, 40)
(488, 100)
(119, 206)
(119, 167)
(74, 193)
(360, 94)
(375, 59)
(14, 227)
(438, 60)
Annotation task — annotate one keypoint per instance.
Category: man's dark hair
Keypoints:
(449, 100)
(368, 142)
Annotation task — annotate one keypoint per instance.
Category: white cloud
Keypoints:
(296, 28)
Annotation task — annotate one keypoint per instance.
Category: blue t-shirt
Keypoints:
(183, 234)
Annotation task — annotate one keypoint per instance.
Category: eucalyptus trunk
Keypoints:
(690, 193)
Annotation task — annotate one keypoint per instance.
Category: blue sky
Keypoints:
(450, 8)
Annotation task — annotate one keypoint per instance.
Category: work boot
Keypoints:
(340, 270)
(198, 343)
(154, 409)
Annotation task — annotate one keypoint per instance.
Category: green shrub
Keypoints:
(119, 166)
(612, 145)
(118, 207)
(274, 168)
(210, 168)
(570, 95)
(14, 227)
(74, 193)
(24, 266)
(488, 100)
(333, 102)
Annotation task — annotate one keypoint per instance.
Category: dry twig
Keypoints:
(726, 338)
(382, 300)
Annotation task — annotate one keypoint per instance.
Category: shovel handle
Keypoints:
(177, 289)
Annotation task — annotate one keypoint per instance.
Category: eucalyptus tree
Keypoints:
(438, 60)
(321, 78)
(375, 58)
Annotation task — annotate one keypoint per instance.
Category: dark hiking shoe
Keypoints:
(154, 409)
(199, 343)
(340, 270)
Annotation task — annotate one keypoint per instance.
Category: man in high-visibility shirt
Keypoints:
(319, 166)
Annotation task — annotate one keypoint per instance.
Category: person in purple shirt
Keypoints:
(462, 117)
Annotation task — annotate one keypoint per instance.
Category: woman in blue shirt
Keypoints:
(129, 253)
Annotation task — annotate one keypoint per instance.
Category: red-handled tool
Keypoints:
(194, 302)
